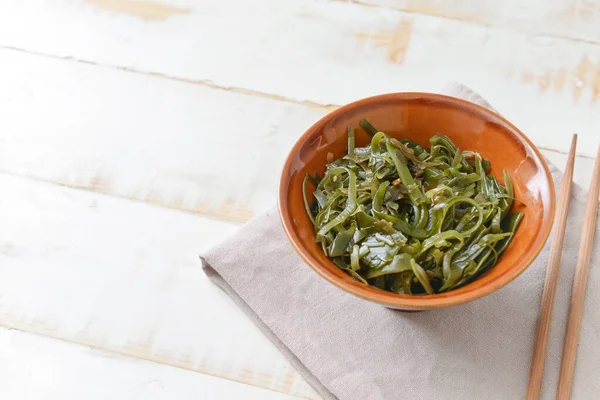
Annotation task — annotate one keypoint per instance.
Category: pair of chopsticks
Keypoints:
(563, 390)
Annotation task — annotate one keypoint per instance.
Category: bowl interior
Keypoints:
(418, 116)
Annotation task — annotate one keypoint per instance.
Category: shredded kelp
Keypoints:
(410, 219)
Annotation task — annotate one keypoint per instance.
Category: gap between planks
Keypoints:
(215, 216)
(205, 83)
(157, 359)
(469, 21)
(564, 152)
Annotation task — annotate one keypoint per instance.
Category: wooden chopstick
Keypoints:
(565, 379)
(547, 303)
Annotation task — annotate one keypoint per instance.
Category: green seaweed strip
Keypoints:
(366, 125)
(306, 204)
(351, 141)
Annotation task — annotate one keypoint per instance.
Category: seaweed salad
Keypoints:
(411, 219)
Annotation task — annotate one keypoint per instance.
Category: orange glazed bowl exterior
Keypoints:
(419, 116)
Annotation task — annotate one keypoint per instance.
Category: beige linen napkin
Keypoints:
(348, 348)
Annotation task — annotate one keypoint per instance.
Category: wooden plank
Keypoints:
(340, 52)
(123, 276)
(36, 367)
(187, 147)
(571, 19)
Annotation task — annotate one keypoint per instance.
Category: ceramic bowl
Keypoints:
(418, 116)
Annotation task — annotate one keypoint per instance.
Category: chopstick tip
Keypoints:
(574, 139)
(573, 148)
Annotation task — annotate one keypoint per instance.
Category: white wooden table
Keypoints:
(134, 134)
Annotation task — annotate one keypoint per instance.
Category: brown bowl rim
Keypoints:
(391, 299)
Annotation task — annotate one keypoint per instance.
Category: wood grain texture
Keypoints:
(570, 19)
(125, 277)
(588, 231)
(146, 10)
(377, 49)
(38, 367)
(551, 280)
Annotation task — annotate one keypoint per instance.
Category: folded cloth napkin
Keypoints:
(348, 348)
